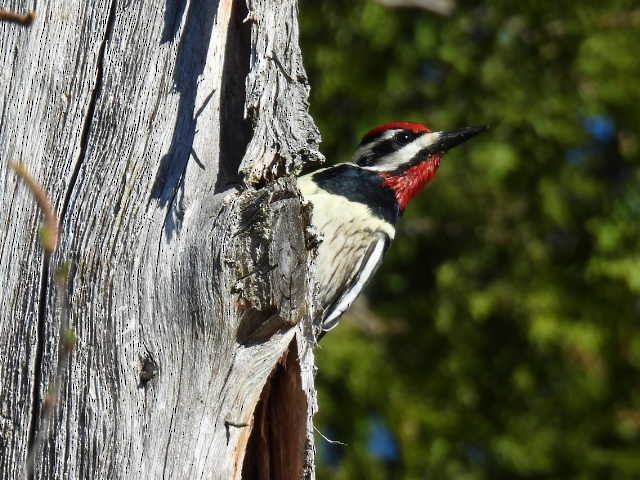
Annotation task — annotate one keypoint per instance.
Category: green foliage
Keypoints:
(511, 298)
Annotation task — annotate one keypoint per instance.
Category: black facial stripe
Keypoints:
(420, 156)
(386, 147)
(444, 141)
(405, 137)
(379, 150)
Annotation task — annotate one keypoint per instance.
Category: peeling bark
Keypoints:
(166, 136)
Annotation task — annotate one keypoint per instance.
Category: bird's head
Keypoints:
(407, 155)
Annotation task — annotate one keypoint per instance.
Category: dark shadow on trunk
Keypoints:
(192, 54)
(234, 130)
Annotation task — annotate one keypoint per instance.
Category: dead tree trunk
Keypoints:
(166, 134)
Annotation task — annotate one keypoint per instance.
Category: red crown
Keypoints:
(414, 127)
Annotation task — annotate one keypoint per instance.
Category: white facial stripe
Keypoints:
(366, 149)
(396, 159)
(400, 157)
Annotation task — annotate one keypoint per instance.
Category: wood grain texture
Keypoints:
(286, 138)
(148, 123)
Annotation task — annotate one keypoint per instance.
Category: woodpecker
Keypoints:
(356, 206)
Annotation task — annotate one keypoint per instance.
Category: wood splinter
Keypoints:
(13, 17)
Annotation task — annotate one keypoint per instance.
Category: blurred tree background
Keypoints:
(501, 338)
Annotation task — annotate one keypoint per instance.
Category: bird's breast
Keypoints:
(348, 229)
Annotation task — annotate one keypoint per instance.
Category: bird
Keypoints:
(356, 205)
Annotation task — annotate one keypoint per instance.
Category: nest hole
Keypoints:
(276, 447)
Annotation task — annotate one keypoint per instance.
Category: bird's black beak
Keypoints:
(450, 139)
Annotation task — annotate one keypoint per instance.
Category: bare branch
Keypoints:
(13, 17)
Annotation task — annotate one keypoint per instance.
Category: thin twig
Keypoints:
(68, 342)
(328, 440)
(68, 339)
(13, 17)
(49, 231)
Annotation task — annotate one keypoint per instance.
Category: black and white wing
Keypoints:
(362, 269)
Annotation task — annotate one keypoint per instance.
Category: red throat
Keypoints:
(409, 183)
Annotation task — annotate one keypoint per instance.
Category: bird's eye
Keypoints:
(403, 138)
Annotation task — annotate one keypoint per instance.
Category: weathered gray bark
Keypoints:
(188, 285)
